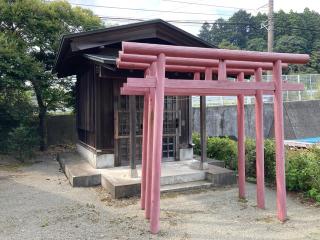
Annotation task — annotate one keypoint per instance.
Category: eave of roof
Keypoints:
(68, 38)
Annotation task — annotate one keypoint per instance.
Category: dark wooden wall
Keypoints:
(98, 94)
(85, 106)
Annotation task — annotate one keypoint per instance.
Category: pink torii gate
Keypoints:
(156, 59)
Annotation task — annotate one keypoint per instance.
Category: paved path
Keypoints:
(37, 202)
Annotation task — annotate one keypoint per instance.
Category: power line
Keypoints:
(210, 5)
(147, 10)
(201, 22)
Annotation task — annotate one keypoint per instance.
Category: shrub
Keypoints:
(196, 142)
(220, 148)
(250, 146)
(270, 160)
(225, 149)
(22, 141)
(302, 166)
(303, 171)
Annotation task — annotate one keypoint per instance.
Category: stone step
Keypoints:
(182, 178)
(220, 176)
(186, 186)
(78, 171)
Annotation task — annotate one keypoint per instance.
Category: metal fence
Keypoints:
(311, 85)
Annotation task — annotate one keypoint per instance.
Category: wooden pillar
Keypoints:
(241, 141)
(157, 145)
(279, 138)
(203, 131)
(132, 142)
(203, 126)
(145, 141)
(150, 145)
(222, 71)
(149, 154)
(259, 142)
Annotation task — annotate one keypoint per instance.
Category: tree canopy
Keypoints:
(30, 31)
(294, 33)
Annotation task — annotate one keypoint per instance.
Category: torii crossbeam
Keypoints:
(156, 59)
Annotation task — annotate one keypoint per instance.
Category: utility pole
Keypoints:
(270, 26)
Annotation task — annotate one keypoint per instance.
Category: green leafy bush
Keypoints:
(223, 149)
(196, 142)
(220, 148)
(22, 142)
(302, 166)
(303, 171)
(250, 146)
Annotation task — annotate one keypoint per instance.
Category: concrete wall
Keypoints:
(61, 129)
(301, 119)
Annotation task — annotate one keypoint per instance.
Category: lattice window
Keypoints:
(169, 128)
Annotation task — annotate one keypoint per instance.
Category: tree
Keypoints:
(205, 32)
(227, 45)
(241, 25)
(37, 26)
(257, 44)
(294, 33)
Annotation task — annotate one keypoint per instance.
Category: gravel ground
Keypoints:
(37, 202)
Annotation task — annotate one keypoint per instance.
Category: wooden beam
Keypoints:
(211, 53)
(197, 62)
(186, 83)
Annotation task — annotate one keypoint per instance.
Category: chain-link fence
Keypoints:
(311, 91)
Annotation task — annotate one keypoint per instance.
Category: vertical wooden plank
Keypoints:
(259, 142)
(158, 131)
(203, 131)
(116, 97)
(178, 117)
(203, 126)
(279, 138)
(132, 141)
(190, 120)
(97, 96)
(241, 141)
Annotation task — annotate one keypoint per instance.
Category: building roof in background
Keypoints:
(74, 46)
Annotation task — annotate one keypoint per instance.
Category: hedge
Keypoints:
(302, 165)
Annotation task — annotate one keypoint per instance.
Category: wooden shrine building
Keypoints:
(108, 134)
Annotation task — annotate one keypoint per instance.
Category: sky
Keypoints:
(190, 12)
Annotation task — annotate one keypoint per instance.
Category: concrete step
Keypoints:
(186, 186)
(79, 171)
(220, 176)
(183, 178)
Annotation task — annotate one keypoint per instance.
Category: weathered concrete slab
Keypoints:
(175, 176)
(79, 172)
(187, 186)
(220, 176)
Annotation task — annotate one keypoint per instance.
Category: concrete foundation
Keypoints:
(175, 176)
(96, 160)
(186, 153)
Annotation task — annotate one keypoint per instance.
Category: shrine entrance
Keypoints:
(171, 124)
(205, 64)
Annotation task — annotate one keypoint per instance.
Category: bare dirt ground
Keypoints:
(37, 202)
